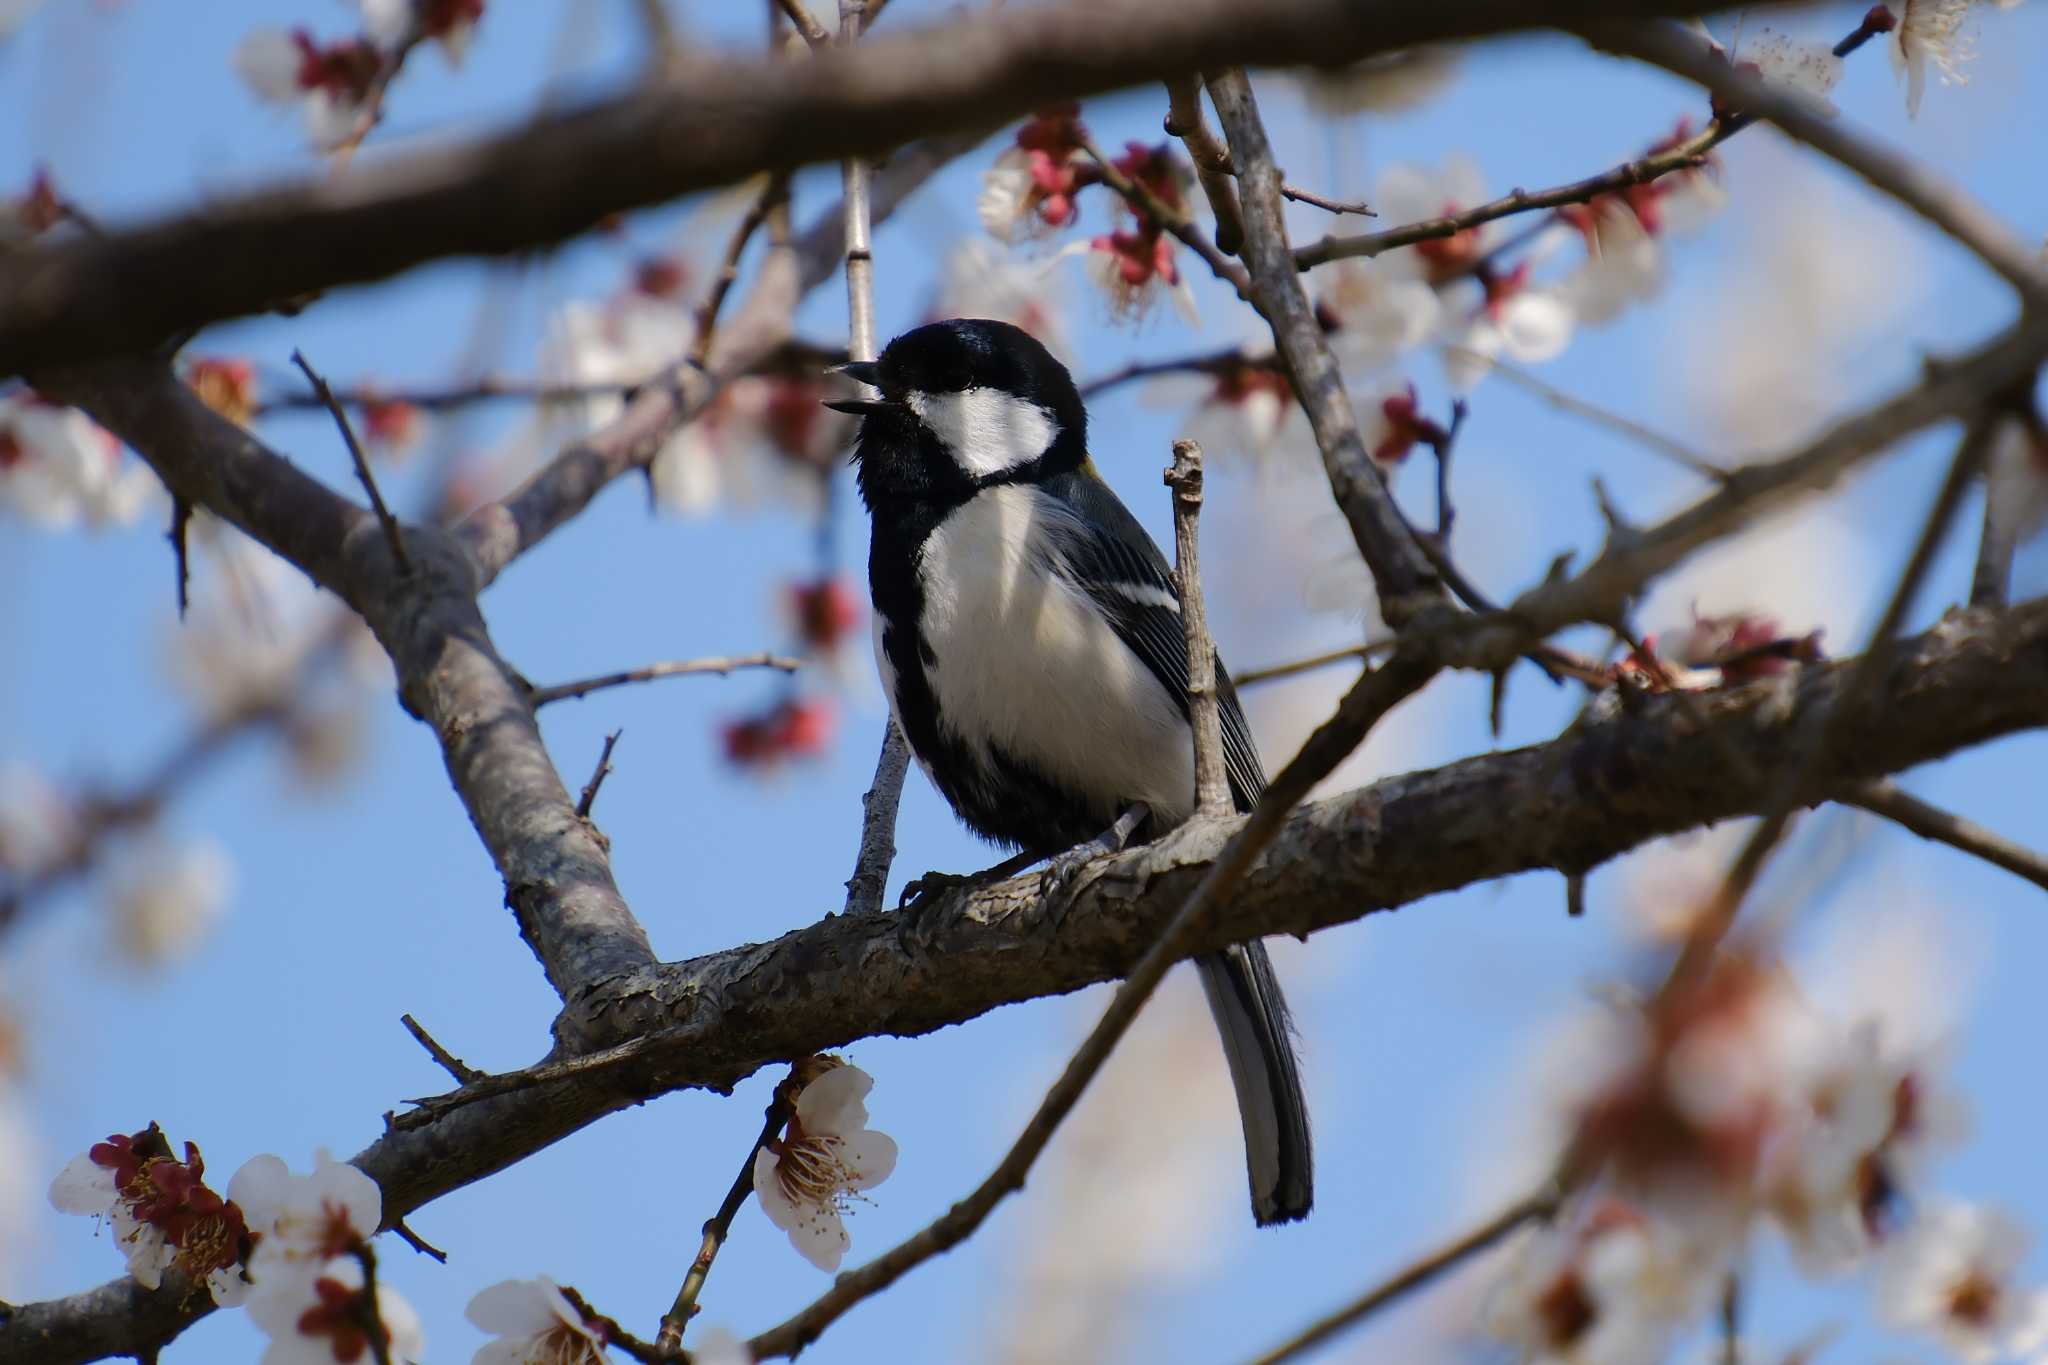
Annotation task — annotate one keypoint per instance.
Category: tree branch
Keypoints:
(1929, 821)
(1570, 804)
(716, 120)
(668, 668)
(1406, 581)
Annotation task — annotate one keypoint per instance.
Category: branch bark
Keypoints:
(715, 120)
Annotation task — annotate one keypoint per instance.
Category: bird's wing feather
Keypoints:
(1104, 550)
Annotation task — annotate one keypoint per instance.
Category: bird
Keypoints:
(1029, 639)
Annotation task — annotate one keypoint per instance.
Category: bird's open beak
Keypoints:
(865, 372)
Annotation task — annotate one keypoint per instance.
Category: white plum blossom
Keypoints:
(331, 85)
(1528, 323)
(59, 469)
(160, 1210)
(451, 23)
(1929, 33)
(720, 1347)
(39, 824)
(302, 1222)
(1790, 64)
(805, 1179)
(534, 1323)
(1375, 314)
(1408, 194)
(318, 1318)
(1950, 1275)
(166, 896)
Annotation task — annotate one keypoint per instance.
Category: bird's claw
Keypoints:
(929, 887)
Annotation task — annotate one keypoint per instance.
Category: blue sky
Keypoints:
(374, 898)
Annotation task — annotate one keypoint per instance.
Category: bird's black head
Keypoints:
(965, 403)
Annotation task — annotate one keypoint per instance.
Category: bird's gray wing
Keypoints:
(1104, 550)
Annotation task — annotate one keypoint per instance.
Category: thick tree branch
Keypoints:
(1571, 804)
(716, 120)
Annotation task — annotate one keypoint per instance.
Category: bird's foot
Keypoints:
(1063, 870)
(934, 884)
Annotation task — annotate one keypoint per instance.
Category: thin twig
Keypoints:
(1689, 154)
(462, 1071)
(417, 1242)
(878, 807)
(1915, 184)
(717, 1227)
(1205, 714)
(369, 1316)
(181, 522)
(805, 22)
(598, 775)
(1369, 699)
(1272, 672)
(774, 193)
(1676, 451)
(668, 668)
(355, 453)
(1186, 121)
(1177, 221)
(1929, 821)
(1414, 1276)
(1731, 1320)
(1445, 513)
(1208, 362)
(1339, 206)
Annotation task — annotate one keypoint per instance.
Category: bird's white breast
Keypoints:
(1023, 660)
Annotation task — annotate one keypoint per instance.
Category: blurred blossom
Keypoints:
(227, 384)
(1725, 650)
(1032, 186)
(982, 281)
(1778, 59)
(330, 84)
(391, 426)
(1387, 82)
(165, 897)
(451, 23)
(1391, 421)
(720, 1347)
(1409, 194)
(59, 469)
(822, 613)
(1131, 269)
(1373, 314)
(1529, 324)
(808, 1177)
(26, 216)
(39, 824)
(19, 1160)
(1250, 411)
(787, 730)
(536, 1322)
(1951, 1276)
(321, 1320)
(160, 1209)
(1776, 347)
(1610, 1288)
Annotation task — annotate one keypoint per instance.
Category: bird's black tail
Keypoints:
(1258, 1041)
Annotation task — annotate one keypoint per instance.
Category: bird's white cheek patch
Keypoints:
(989, 431)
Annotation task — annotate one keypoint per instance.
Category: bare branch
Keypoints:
(588, 797)
(1913, 183)
(1686, 155)
(1274, 672)
(1536, 1208)
(1930, 821)
(805, 23)
(462, 1071)
(722, 665)
(392, 535)
(1337, 206)
(1212, 785)
(781, 1105)
(1186, 121)
(716, 120)
(1407, 583)
(773, 194)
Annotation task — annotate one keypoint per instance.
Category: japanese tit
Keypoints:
(1029, 638)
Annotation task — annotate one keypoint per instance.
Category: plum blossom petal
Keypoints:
(805, 1180)
(535, 1323)
(1951, 1276)
(315, 1319)
(1929, 33)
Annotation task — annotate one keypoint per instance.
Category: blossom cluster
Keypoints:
(1728, 1105)
(336, 85)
